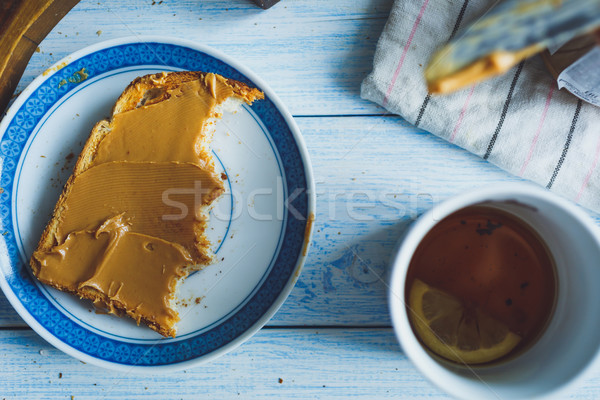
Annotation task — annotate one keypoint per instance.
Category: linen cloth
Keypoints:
(519, 121)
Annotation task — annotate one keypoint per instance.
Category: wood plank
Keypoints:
(360, 164)
(374, 177)
(23, 25)
(314, 57)
(332, 363)
(329, 363)
(15, 18)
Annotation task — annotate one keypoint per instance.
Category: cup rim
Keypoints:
(431, 369)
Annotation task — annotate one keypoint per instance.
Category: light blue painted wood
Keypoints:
(330, 363)
(314, 56)
(312, 364)
(360, 164)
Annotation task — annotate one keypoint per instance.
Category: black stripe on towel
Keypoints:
(422, 110)
(461, 14)
(504, 111)
(567, 144)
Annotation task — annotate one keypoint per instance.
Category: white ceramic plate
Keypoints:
(260, 228)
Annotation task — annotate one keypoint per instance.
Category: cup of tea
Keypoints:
(494, 293)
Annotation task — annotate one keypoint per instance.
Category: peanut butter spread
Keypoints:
(139, 134)
(132, 224)
(138, 272)
(442, 79)
(158, 199)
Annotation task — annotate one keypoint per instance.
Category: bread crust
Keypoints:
(145, 90)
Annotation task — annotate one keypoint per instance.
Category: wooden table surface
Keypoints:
(374, 172)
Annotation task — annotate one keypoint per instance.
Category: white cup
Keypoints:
(568, 349)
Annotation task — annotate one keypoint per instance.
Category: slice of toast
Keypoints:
(66, 225)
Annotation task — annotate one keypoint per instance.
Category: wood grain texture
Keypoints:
(312, 364)
(23, 25)
(330, 363)
(374, 176)
(360, 164)
(313, 57)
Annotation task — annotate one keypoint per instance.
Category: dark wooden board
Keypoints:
(23, 25)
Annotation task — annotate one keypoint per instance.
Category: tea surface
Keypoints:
(492, 263)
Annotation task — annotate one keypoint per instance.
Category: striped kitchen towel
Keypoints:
(519, 121)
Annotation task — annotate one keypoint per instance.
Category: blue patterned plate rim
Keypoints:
(74, 339)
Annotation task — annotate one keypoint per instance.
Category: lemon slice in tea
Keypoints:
(454, 332)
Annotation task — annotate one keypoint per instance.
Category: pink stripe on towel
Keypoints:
(462, 114)
(406, 46)
(539, 128)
